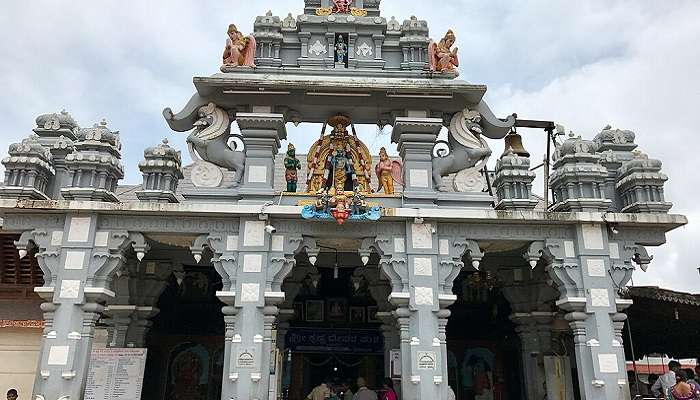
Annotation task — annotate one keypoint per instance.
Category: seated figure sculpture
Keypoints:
(441, 56)
(341, 6)
(239, 50)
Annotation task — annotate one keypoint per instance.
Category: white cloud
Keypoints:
(652, 90)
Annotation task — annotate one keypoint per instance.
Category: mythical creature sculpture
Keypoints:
(210, 139)
(240, 50)
(291, 165)
(467, 148)
(388, 172)
(441, 56)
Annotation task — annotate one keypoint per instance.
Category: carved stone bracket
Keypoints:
(565, 272)
(473, 253)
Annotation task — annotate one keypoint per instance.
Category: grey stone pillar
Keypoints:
(534, 330)
(78, 262)
(252, 263)
(422, 266)
(392, 339)
(261, 135)
(416, 138)
(587, 271)
(530, 302)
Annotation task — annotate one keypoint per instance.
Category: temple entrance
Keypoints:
(483, 360)
(186, 342)
(334, 333)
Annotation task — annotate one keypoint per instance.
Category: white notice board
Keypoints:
(115, 374)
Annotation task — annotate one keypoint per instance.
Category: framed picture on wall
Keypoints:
(357, 314)
(314, 310)
(337, 310)
(372, 314)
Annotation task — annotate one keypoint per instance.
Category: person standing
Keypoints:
(681, 390)
(320, 392)
(388, 392)
(667, 380)
(363, 392)
(12, 394)
(691, 379)
(347, 393)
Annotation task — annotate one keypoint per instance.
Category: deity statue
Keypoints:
(338, 157)
(240, 50)
(340, 204)
(291, 165)
(341, 6)
(441, 56)
(388, 172)
(341, 50)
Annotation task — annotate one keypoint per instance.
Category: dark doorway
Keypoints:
(186, 342)
(483, 360)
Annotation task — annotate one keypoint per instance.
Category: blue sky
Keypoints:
(631, 64)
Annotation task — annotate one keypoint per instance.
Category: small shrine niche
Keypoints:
(341, 50)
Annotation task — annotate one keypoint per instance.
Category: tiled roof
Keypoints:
(655, 293)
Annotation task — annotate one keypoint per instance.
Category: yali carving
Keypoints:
(209, 140)
(467, 148)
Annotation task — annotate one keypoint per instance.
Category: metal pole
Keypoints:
(634, 357)
(546, 169)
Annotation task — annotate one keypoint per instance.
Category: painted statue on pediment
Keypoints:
(339, 158)
(388, 172)
(291, 165)
(240, 50)
(442, 57)
(341, 50)
(341, 6)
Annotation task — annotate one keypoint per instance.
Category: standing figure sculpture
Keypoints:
(341, 50)
(291, 165)
(240, 50)
(441, 56)
(387, 172)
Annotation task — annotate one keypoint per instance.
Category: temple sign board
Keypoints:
(116, 374)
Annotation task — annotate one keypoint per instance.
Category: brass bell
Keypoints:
(515, 141)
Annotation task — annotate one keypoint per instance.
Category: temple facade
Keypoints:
(254, 273)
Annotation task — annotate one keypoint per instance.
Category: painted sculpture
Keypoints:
(342, 180)
(208, 144)
(340, 205)
(291, 165)
(442, 57)
(467, 149)
(341, 6)
(338, 156)
(341, 50)
(240, 50)
(388, 172)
